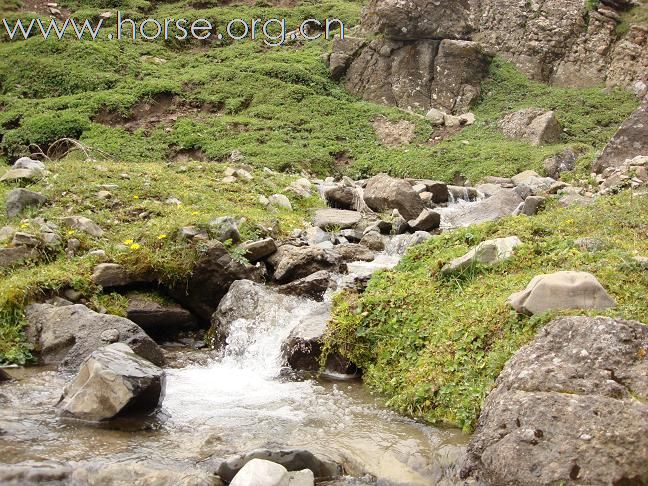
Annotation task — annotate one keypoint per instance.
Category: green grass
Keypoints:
(434, 345)
(72, 189)
(278, 106)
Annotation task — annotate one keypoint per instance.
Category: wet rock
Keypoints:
(353, 252)
(532, 124)
(81, 223)
(340, 197)
(4, 376)
(291, 263)
(569, 407)
(384, 192)
(631, 140)
(329, 219)
(301, 478)
(563, 162)
(428, 220)
(156, 318)
(68, 335)
(260, 249)
(313, 286)
(561, 290)
(501, 204)
(113, 381)
(142, 473)
(13, 256)
(291, 459)
(210, 280)
(280, 201)
(315, 236)
(20, 199)
(399, 244)
(225, 229)
(439, 190)
(464, 193)
(374, 241)
(109, 275)
(33, 472)
(248, 300)
(488, 252)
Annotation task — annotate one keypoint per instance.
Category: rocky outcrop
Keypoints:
(313, 286)
(113, 381)
(502, 203)
(328, 219)
(109, 275)
(435, 54)
(68, 335)
(210, 280)
(561, 290)
(571, 407)
(630, 141)
(444, 74)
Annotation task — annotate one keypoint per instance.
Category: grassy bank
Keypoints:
(434, 345)
(140, 225)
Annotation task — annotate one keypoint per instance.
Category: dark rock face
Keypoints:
(13, 256)
(4, 376)
(68, 335)
(158, 318)
(113, 381)
(210, 280)
(563, 162)
(630, 140)
(569, 407)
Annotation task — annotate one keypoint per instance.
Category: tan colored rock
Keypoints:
(488, 252)
(559, 291)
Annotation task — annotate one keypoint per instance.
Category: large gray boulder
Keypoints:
(210, 280)
(81, 223)
(384, 192)
(631, 140)
(109, 275)
(569, 408)
(113, 381)
(502, 203)
(314, 286)
(259, 249)
(68, 335)
(259, 472)
(534, 125)
(20, 199)
(561, 290)
(291, 262)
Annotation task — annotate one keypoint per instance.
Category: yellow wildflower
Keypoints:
(162, 237)
(135, 246)
(128, 242)
(136, 197)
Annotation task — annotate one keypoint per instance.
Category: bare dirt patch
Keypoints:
(394, 134)
(163, 109)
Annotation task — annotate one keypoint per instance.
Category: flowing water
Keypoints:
(240, 400)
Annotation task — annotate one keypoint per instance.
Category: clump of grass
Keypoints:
(434, 345)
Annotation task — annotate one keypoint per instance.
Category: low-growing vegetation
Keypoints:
(434, 345)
